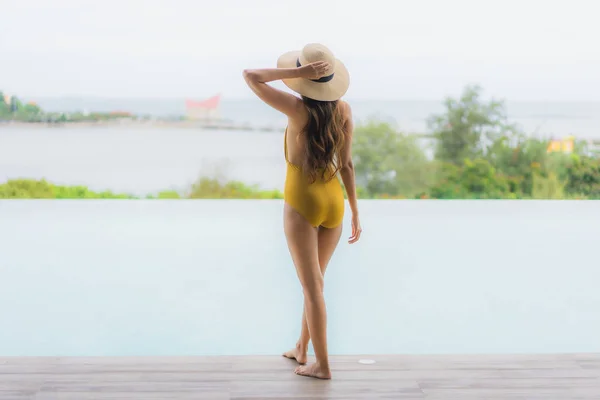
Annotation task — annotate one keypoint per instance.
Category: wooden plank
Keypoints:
(307, 388)
(17, 394)
(522, 383)
(143, 366)
(513, 393)
(29, 360)
(198, 386)
(128, 360)
(590, 365)
(548, 373)
(44, 395)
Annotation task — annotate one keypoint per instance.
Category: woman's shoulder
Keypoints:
(346, 109)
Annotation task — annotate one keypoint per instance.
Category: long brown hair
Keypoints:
(325, 136)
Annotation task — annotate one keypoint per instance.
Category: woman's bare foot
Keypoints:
(314, 371)
(298, 354)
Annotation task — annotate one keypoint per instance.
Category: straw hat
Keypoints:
(330, 87)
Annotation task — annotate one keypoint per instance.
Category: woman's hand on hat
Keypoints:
(315, 70)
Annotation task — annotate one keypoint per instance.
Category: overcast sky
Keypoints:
(394, 49)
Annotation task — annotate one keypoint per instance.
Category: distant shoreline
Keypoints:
(127, 123)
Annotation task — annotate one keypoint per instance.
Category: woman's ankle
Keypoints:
(323, 366)
(302, 347)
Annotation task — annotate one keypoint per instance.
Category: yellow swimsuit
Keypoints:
(320, 202)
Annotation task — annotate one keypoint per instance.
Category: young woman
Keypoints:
(317, 146)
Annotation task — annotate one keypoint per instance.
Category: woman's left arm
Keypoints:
(285, 102)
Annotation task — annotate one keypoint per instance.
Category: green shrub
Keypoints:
(41, 189)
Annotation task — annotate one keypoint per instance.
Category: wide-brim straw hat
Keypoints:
(330, 87)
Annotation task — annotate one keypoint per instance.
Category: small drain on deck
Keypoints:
(363, 361)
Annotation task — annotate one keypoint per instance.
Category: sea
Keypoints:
(140, 161)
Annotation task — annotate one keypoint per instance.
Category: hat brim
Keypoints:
(322, 91)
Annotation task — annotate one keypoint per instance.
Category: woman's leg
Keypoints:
(302, 241)
(328, 240)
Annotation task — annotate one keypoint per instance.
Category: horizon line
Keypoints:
(236, 98)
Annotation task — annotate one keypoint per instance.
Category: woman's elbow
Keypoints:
(348, 166)
(249, 75)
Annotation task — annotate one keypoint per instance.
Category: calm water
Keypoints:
(215, 277)
(141, 161)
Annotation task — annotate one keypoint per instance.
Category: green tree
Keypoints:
(15, 104)
(31, 108)
(4, 110)
(583, 177)
(468, 127)
(388, 162)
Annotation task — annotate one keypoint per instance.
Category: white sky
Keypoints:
(394, 49)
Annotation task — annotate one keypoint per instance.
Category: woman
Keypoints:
(317, 145)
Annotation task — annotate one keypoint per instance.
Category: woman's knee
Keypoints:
(313, 289)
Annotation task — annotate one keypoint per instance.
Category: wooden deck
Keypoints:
(560, 377)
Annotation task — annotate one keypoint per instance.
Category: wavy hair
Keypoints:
(325, 136)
